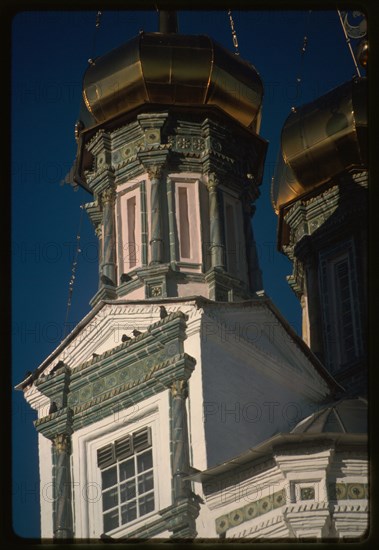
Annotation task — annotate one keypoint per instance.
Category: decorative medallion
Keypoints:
(111, 381)
(222, 524)
(98, 387)
(265, 504)
(355, 490)
(152, 137)
(307, 493)
(347, 491)
(183, 143)
(73, 399)
(236, 517)
(279, 498)
(155, 291)
(341, 491)
(85, 394)
(251, 510)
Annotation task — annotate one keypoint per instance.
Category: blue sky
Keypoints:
(50, 52)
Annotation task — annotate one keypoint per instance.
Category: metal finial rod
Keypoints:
(348, 43)
(168, 22)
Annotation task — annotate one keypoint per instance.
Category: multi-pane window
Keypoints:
(345, 313)
(127, 479)
(340, 306)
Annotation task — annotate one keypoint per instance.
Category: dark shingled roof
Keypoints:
(344, 416)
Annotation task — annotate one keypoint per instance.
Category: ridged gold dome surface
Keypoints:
(321, 140)
(173, 69)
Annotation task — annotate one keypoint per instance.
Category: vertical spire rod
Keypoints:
(168, 22)
(348, 43)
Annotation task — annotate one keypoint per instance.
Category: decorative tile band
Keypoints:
(347, 491)
(250, 511)
(336, 491)
(128, 374)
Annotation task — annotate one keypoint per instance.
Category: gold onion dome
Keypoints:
(172, 69)
(321, 140)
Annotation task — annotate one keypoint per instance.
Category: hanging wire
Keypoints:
(300, 74)
(303, 50)
(95, 33)
(348, 43)
(73, 271)
(234, 34)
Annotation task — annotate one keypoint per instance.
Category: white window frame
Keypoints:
(154, 412)
(193, 203)
(116, 463)
(122, 228)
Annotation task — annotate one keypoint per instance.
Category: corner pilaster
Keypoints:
(108, 266)
(217, 245)
(156, 242)
(62, 515)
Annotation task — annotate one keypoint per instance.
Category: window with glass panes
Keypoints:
(340, 305)
(127, 479)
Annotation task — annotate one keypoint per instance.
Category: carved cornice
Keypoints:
(154, 362)
(59, 422)
(180, 518)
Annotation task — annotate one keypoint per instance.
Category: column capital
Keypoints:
(179, 388)
(108, 195)
(99, 230)
(155, 171)
(213, 181)
(61, 443)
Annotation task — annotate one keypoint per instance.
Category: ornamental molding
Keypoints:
(250, 511)
(231, 485)
(305, 507)
(141, 366)
(100, 178)
(99, 142)
(308, 520)
(187, 143)
(272, 527)
(350, 508)
(348, 491)
(120, 397)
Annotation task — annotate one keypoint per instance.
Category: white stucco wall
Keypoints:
(252, 387)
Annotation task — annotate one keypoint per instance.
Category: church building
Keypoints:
(183, 405)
